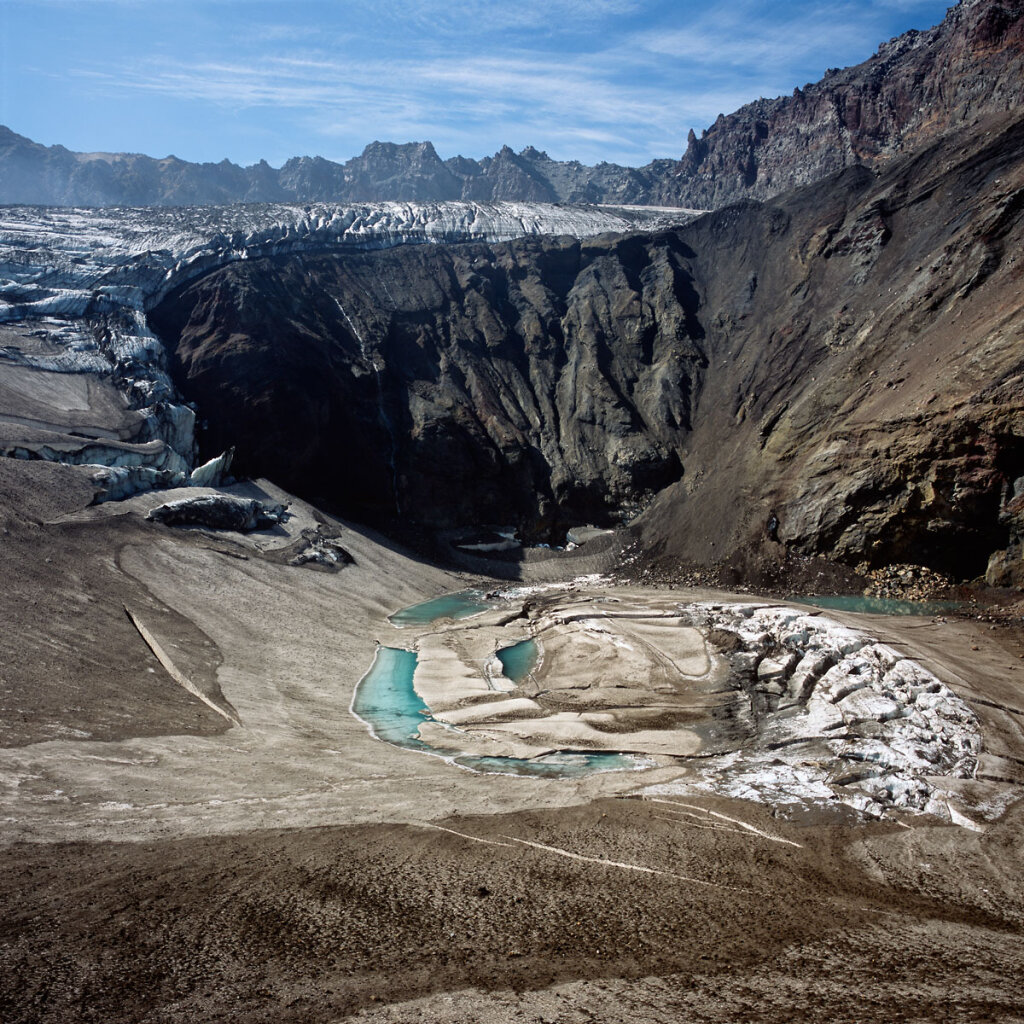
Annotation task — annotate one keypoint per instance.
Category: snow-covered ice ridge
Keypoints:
(84, 279)
(842, 719)
(57, 261)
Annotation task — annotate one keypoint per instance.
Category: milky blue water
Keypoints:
(386, 700)
(519, 660)
(879, 605)
(460, 605)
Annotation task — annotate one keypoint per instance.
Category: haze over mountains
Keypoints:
(916, 86)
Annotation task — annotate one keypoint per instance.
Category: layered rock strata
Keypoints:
(915, 88)
(836, 373)
(75, 285)
(864, 393)
(544, 383)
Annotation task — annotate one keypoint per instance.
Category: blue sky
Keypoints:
(616, 80)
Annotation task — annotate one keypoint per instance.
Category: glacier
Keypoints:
(79, 282)
(58, 261)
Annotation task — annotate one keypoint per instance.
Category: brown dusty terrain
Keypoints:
(178, 868)
(877, 923)
(197, 828)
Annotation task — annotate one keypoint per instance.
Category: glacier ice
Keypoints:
(857, 723)
(84, 279)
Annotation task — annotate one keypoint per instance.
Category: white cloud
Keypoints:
(619, 80)
(424, 98)
(477, 17)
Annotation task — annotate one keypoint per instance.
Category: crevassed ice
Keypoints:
(77, 272)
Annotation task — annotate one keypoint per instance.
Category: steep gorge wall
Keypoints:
(865, 365)
(848, 358)
(451, 385)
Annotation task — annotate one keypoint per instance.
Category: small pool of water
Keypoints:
(553, 766)
(519, 660)
(460, 605)
(387, 701)
(879, 605)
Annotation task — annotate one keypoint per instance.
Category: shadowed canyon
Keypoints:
(847, 356)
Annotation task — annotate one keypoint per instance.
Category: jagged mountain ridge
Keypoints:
(915, 88)
(33, 174)
(847, 357)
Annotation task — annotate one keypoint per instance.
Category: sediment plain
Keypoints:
(162, 862)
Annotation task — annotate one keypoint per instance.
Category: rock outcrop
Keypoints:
(451, 385)
(1006, 566)
(917, 87)
(845, 361)
(218, 512)
(865, 372)
(74, 287)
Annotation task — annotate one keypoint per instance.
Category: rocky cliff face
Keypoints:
(847, 359)
(75, 284)
(545, 383)
(864, 344)
(918, 86)
(915, 88)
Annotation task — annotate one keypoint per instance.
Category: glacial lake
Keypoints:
(460, 605)
(386, 700)
(879, 605)
(519, 660)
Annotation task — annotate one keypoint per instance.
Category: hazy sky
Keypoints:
(617, 80)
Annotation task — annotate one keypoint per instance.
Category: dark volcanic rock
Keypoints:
(452, 385)
(917, 87)
(219, 512)
(865, 368)
(847, 360)
(1006, 567)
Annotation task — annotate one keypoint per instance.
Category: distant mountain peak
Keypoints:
(916, 87)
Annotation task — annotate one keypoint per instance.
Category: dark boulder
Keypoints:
(218, 512)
